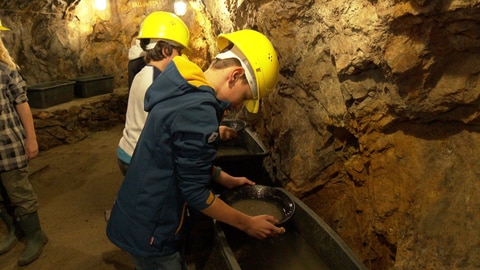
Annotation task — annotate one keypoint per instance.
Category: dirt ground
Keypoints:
(75, 184)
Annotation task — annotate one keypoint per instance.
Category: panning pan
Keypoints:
(257, 197)
(235, 124)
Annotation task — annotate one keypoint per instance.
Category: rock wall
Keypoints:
(59, 40)
(374, 122)
(73, 121)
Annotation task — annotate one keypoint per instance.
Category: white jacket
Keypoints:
(136, 114)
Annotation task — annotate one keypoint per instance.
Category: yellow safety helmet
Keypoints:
(165, 25)
(3, 28)
(262, 58)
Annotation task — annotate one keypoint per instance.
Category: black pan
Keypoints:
(262, 193)
(236, 124)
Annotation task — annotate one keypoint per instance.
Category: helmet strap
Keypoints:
(153, 43)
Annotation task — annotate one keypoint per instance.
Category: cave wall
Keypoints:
(65, 39)
(374, 122)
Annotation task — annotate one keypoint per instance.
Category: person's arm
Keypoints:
(228, 181)
(31, 144)
(261, 226)
(194, 157)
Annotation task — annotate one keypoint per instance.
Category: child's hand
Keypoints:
(240, 181)
(227, 133)
(31, 146)
(262, 226)
(229, 181)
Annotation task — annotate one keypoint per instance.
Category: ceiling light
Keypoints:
(101, 4)
(180, 7)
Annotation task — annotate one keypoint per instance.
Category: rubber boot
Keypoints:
(35, 239)
(11, 239)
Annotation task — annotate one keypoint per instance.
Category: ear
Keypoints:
(165, 52)
(236, 73)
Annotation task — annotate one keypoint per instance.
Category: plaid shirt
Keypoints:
(12, 134)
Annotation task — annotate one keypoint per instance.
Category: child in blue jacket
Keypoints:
(172, 164)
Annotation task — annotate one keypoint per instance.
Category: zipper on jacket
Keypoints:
(182, 219)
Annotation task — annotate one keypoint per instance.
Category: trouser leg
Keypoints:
(19, 192)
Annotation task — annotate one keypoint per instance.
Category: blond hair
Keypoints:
(5, 56)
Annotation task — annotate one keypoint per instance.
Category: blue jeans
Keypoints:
(171, 262)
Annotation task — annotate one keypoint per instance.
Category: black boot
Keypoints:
(11, 239)
(35, 239)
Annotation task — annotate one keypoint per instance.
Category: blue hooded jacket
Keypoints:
(171, 166)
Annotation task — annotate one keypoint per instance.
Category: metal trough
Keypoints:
(242, 156)
(309, 243)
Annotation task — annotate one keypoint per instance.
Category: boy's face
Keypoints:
(230, 85)
(238, 94)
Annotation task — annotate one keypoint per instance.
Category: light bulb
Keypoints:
(101, 4)
(180, 7)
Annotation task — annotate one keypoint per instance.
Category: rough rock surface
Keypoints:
(374, 121)
(73, 121)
